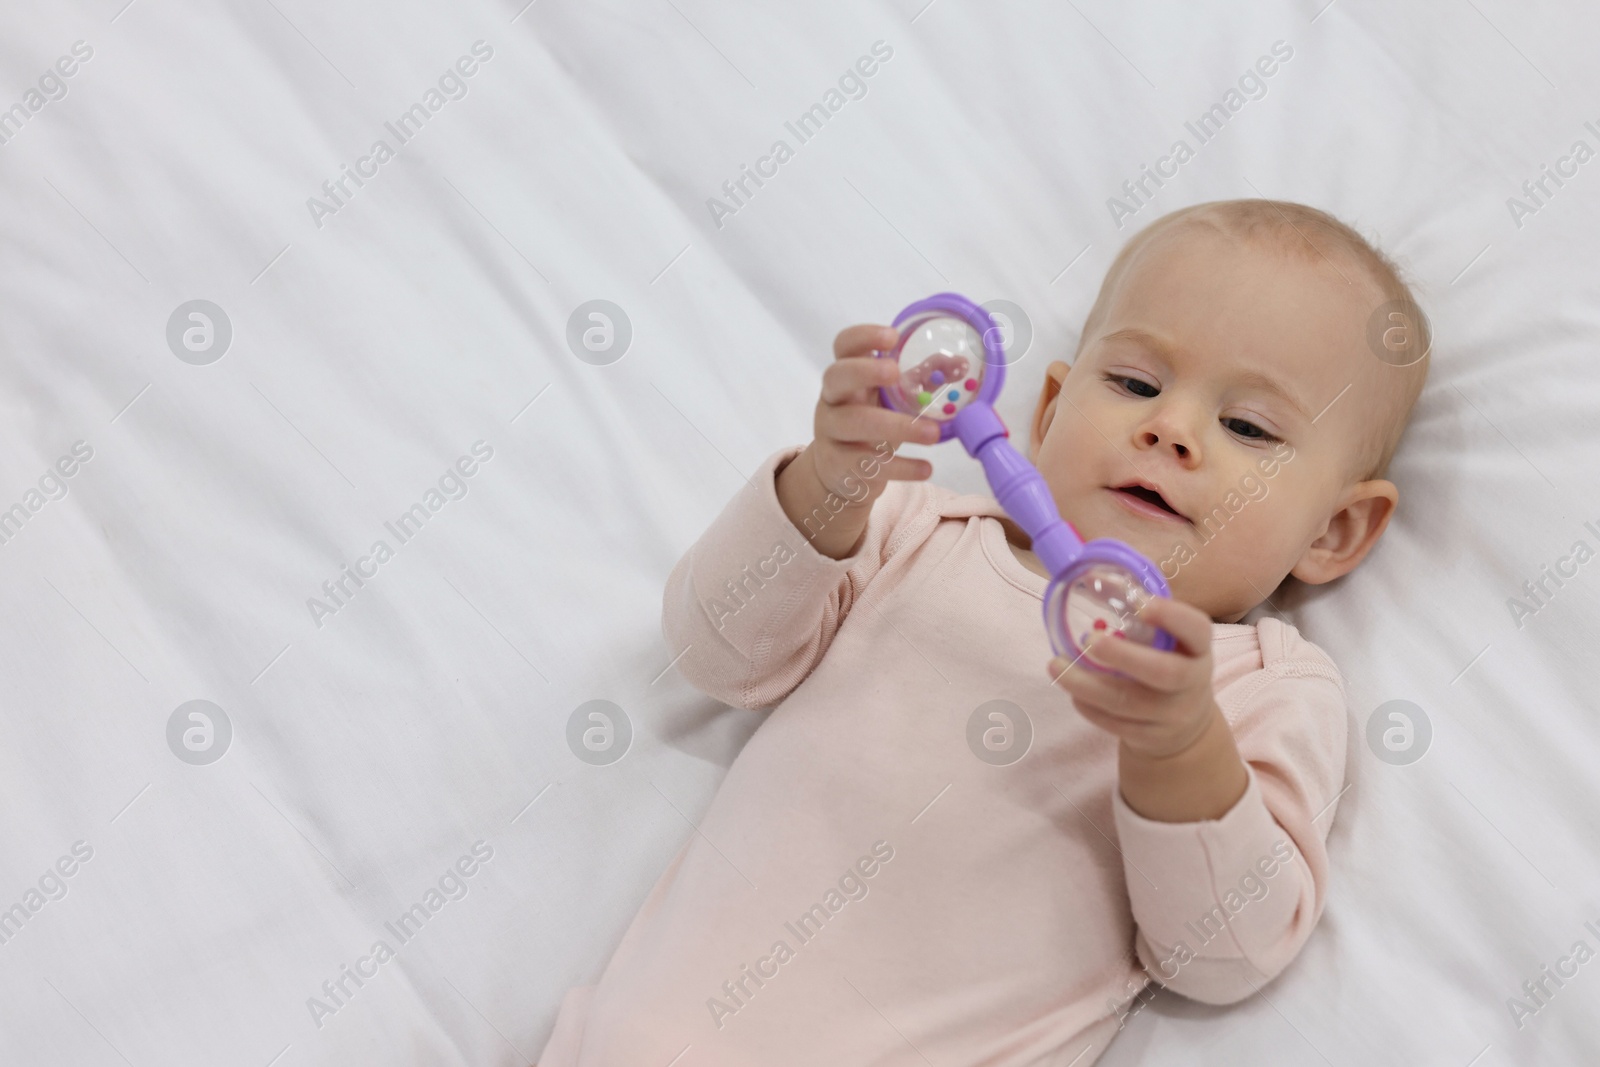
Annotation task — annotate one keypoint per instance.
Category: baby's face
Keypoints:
(1210, 380)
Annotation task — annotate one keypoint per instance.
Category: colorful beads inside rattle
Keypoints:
(1100, 626)
(937, 383)
(1100, 601)
(941, 366)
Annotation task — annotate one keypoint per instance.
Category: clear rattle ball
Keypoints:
(941, 366)
(1100, 602)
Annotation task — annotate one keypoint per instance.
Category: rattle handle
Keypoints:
(1019, 487)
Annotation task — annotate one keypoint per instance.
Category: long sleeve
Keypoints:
(752, 606)
(1222, 906)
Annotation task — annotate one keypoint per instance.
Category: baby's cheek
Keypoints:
(1265, 541)
(1236, 541)
(1070, 456)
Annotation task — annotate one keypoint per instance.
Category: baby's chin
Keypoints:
(1174, 549)
(1155, 539)
(1211, 593)
(1215, 583)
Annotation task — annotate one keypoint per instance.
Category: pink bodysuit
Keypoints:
(881, 880)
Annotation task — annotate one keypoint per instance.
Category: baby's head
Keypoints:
(1226, 365)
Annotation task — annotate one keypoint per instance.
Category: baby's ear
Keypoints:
(1360, 518)
(1045, 410)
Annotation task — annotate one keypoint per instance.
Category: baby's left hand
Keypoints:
(1166, 702)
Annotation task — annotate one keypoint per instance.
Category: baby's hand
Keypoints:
(850, 423)
(828, 489)
(1166, 702)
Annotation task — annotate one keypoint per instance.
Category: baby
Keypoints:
(930, 853)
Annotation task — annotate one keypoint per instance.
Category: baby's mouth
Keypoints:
(1149, 498)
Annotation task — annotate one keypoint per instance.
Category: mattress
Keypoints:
(367, 368)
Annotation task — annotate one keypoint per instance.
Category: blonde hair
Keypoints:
(1312, 234)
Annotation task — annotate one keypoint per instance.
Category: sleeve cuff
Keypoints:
(766, 484)
(753, 567)
(1186, 878)
(768, 515)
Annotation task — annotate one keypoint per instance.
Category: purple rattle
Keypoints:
(952, 365)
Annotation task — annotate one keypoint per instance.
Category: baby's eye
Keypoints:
(1133, 385)
(1248, 430)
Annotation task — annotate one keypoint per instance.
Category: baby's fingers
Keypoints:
(906, 469)
(862, 340)
(1190, 626)
(859, 422)
(1110, 696)
(857, 380)
(1162, 671)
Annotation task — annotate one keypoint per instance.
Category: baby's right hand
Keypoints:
(851, 455)
(851, 425)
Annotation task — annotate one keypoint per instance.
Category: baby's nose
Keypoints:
(1157, 439)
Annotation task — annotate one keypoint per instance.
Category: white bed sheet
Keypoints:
(372, 752)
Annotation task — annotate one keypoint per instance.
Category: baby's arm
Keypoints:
(853, 434)
(755, 602)
(1223, 905)
(1221, 820)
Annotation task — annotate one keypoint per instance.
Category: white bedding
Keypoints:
(378, 740)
